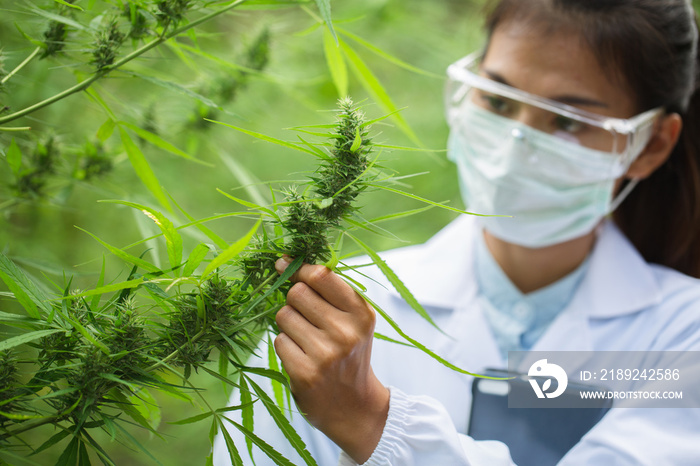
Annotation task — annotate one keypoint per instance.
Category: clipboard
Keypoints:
(535, 436)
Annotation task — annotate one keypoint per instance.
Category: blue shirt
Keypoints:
(518, 320)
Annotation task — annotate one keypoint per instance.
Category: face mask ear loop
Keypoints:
(623, 194)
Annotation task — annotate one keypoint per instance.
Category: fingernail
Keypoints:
(282, 263)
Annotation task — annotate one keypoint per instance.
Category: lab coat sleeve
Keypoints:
(419, 431)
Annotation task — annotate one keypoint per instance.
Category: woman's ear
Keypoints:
(658, 149)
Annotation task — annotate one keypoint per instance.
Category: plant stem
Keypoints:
(100, 74)
(264, 284)
(19, 128)
(155, 366)
(21, 65)
(29, 425)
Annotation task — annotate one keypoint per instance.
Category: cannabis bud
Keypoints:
(54, 38)
(107, 42)
(171, 12)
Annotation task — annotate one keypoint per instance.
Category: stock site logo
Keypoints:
(542, 369)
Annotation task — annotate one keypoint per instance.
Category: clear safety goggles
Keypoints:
(623, 137)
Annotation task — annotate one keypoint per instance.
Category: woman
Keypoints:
(575, 109)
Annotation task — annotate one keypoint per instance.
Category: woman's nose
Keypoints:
(532, 117)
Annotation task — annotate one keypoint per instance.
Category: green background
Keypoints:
(294, 90)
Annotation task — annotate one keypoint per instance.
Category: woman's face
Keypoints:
(557, 66)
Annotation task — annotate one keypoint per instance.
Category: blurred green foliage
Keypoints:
(38, 217)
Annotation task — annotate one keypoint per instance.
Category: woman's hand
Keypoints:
(325, 346)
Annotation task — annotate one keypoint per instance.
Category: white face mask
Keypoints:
(555, 190)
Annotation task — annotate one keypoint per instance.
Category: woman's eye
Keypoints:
(568, 125)
(496, 104)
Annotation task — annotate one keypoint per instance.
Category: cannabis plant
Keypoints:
(89, 359)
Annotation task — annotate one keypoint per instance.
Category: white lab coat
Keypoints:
(621, 304)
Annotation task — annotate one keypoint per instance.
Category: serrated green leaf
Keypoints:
(196, 257)
(83, 457)
(388, 57)
(263, 137)
(432, 203)
(92, 93)
(324, 7)
(218, 376)
(19, 320)
(246, 179)
(177, 50)
(99, 291)
(173, 239)
(336, 63)
(106, 130)
(14, 157)
(250, 205)
(357, 142)
(247, 413)
(395, 281)
(403, 214)
(88, 336)
(230, 252)
(283, 424)
(272, 363)
(379, 336)
(176, 88)
(25, 338)
(143, 169)
(136, 442)
(95, 301)
(38, 43)
(104, 457)
(148, 406)
(220, 243)
(235, 457)
(415, 343)
(125, 256)
(53, 440)
(372, 85)
(70, 5)
(267, 373)
(63, 391)
(161, 143)
(26, 292)
(69, 457)
(130, 410)
(213, 429)
(193, 419)
(217, 60)
(273, 454)
(59, 19)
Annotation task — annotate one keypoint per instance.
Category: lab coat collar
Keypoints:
(440, 272)
(619, 281)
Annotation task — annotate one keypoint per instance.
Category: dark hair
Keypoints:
(651, 47)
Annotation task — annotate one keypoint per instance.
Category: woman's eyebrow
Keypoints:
(564, 99)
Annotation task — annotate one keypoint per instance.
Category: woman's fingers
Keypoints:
(316, 309)
(325, 347)
(328, 285)
(295, 361)
(298, 328)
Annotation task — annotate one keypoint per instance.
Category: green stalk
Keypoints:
(29, 425)
(19, 128)
(155, 366)
(81, 86)
(21, 65)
